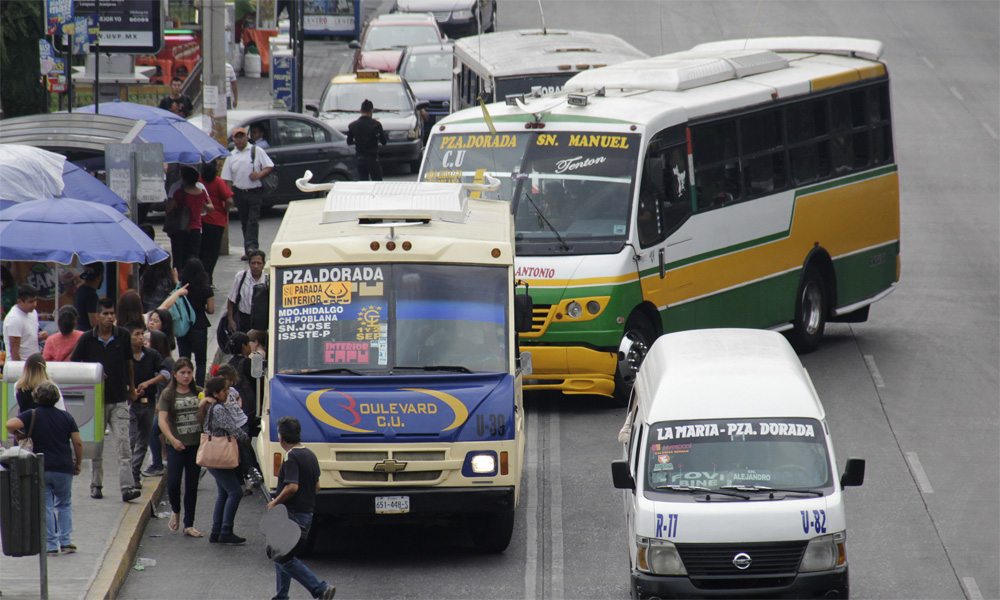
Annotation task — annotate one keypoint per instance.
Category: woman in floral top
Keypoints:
(218, 421)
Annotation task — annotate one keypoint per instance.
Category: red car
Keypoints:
(384, 39)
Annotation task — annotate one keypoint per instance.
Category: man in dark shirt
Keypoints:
(85, 298)
(298, 483)
(111, 346)
(176, 102)
(149, 372)
(365, 134)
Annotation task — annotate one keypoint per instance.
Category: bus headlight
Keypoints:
(482, 463)
(574, 310)
(658, 557)
(824, 553)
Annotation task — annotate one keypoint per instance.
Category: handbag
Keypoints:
(269, 182)
(26, 442)
(217, 452)
(177, 220)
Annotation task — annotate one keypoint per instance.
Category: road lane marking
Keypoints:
(989, 130)
(918, 472)
(531, 509)
(957, 94)
(972, 588)
(555, 508)
(927, 62)
(876, 376)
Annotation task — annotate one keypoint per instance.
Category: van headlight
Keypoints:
(658, 557)
(462, 14)
(825, 553)
(399, 136)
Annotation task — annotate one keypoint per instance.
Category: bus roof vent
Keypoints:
(679, 71)
(395, 202)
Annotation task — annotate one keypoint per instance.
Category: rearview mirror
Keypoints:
(854, 472)
(313, 109)
(620, 475)
(523, 313)
(354, 45)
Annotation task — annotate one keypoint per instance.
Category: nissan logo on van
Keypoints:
(742, 561)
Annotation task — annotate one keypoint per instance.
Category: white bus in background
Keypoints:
(506, 63)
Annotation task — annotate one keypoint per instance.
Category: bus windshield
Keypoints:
(779, 453)
(571, 190)
(379, 318)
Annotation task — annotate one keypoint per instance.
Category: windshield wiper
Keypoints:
(455, 368)
(540, 214)
(764, 488)
(699, 490)
(343, 370)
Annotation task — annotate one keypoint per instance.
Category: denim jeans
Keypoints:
(195, 341)
(184, 464)
(228, 500)
(295, 568)
(58, 510)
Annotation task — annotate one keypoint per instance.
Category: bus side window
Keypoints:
(651, 197)
(664, 193)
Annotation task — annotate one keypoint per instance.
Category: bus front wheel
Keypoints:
(810, 312)
(639, 328)
(491, 532)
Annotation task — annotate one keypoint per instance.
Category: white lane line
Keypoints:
(554, 472)
(989, 130)
(972, 588)
(876, 376)
(927, 62)
(918, 472)
(531, 508)
(957, 94)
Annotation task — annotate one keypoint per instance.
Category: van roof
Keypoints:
(724, 373)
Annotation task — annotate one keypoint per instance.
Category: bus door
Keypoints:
(664, 204)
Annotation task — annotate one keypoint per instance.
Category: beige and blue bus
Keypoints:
(746, 183)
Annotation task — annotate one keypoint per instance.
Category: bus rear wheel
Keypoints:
(640, 329)
(491, 532)
(810, 312)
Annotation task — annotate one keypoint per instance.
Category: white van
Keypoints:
(729, 473)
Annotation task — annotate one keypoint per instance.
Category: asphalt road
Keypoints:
(914, 390)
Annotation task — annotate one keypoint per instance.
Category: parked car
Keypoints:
(396, 107)
(297, 143)
(455, 18)
(427, 69)
(384, 39)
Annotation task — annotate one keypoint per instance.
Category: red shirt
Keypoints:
(195, 204)
(218, 192)
(58, 347)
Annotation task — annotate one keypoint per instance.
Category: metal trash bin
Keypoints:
(22, 505)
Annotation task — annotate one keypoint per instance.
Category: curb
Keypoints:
(124, 546)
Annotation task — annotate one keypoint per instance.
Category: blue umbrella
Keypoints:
(31, 173)
(182, 142)
(55, 229)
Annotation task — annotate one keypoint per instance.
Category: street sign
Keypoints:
(126, 26)
(283, 74)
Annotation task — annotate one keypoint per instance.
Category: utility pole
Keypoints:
(214, 83)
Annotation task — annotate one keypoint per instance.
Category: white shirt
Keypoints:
(238, 168)
(17, 323)
(246, 297)
(230, 78)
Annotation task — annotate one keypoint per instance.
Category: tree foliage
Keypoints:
(22, 25)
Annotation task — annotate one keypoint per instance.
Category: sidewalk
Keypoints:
(107, 531)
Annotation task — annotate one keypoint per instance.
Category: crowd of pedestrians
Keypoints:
(155, 394)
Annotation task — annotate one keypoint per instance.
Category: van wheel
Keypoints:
(810, 312)
(641, 330)
(491, 532)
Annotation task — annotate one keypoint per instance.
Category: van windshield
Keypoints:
(780, 453)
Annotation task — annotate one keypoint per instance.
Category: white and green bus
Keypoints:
(746, 183)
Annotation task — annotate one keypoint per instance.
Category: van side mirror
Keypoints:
(523, 313)
(854, 472)
(620, 475)
(354, 45)
(313, 108)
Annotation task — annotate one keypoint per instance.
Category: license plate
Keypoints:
(385, 505)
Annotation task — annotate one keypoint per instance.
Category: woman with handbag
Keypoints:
(178, 417)
(53, 432)
(218, 425)
(183, 217)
